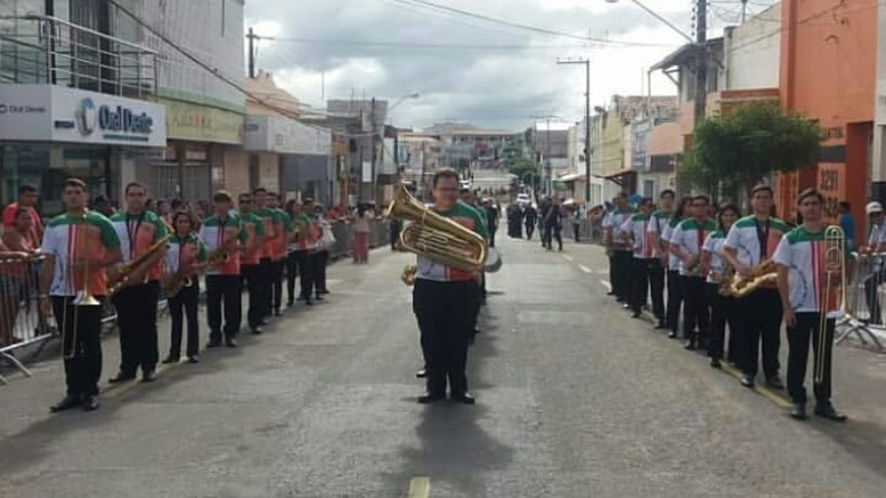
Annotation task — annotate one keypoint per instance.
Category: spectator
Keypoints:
(360, 225)
(848, 225)
(321, 259)
(15, 249)
(103, 206)
(27, 199)
(163, 212)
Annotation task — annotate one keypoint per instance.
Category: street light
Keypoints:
(399, 101)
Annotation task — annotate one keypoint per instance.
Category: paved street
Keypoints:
(575, 399)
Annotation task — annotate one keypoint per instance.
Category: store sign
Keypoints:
(187, 121)
(58, 114)
(285, 136)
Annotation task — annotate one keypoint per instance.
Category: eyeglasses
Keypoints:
(699, 205)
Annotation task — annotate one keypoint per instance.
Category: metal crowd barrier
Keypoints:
(20, 321)
(864, 317)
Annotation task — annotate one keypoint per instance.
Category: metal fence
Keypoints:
(21, 325)
(863, 316)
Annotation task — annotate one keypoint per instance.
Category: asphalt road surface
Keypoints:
(574, 399)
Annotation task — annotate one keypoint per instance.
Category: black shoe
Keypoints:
(300, 298)
(672, 335)
(324, 291)
(774, 382)
(715, 363)
(626, 306)
(90, 403)
(318, 297)
(231, 342)
(170, 359)
(308, 302)
(68, 402)
(256, 330)
(828, 412)
(690, 346)
(747, 381)
(431, 398)
(214, 342)
(464, 398)
(121, 377)
(193, 359)
(661, 326)
(421, 374)
(798, 411)
(290, 304)
(635, 314)
(277, 312)
(149, 376)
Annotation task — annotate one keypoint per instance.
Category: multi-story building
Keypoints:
(465, 146)
(419, 156)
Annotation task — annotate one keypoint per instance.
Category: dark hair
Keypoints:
(75, 182)
(132, 185)
(762, 188)
(290, 204)
(221, 196)
(361, 209)
(809, 192)
(101, 200)
(175, 204)
(680, 212)
(27, 188)
(260, 190)
(845, 206)
(723, 210)
(645, 200)
(161, 201)
(243, 195)
(667, 191)
(182, 213)
(444, 173)
(622, 195)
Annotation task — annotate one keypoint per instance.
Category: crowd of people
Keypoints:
(693, 250)
(149, 250)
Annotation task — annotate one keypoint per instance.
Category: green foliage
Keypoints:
(525, 170)
(733, 153)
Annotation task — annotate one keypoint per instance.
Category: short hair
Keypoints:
(272, 194)
(221, 196)
(101, 200)
(184, 213)
(174, 204)
(645, 200)
(26, 188)
(244, 194)
(132, 185)
(809, 192)
(260, 190)
(762, 188)
(702, 197)
(669, 192)
(162, 201)
(307, 200)
(75, 182)
(622, 195)
(845, 205)
(444, 173)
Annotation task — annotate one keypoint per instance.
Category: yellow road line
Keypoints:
(419, 487)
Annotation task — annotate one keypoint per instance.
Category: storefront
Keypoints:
(51, 133)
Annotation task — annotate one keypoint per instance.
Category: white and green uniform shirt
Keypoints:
(658, 224)
(713, 244)
(666, 235)
(615, 220)
(637, 225)
(746, 236)
(216, 233)
(690, 236)
(802, 253)
(69, 238)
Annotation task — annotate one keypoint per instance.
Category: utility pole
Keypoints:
(374, 147)
(251, 36)
(744, 10)
(701, 71)
(587, 64)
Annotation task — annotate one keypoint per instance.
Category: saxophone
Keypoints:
(124, 274)
(763, 274)
(178, 281)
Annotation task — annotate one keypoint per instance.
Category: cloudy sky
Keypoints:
(470, 69)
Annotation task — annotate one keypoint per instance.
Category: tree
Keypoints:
(730, 154)
(524, 169)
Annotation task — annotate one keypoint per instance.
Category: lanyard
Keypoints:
(647, 247)
(181, 252)
(132, 233)
(762, 237)
(700, 233)
(220, 236)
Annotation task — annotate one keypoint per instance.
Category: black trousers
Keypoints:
(306, 264)
(183, 307)
(223, 292)
(872, 297)
(723, 312)
(696, 316)
(647, 273)
(530, 229)
(576, 232)
(759, 316)
(445, 312)
(321, 259)
(552, 232)
(255, 287)
(808, 330)
(620, 265)
(276, 287)
(492, 236)
(291, 274)
(675, 300)
(136, 307)
(267, 286)
(80, 329)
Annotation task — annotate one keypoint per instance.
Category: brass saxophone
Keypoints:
(763, 274)
(178, 281)
(124, 274)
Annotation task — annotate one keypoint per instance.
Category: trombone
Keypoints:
(834, 263)
(83, 297)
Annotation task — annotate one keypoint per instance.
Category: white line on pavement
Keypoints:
(605, 283)
(419, 487)
(585, 269)
(567, 257)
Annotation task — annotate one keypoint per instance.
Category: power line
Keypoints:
(441, 46)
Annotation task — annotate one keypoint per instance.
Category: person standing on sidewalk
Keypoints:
(620, 254)
(185, 255)
(687, 241)
(250, 263)
(801, 257)
(222, 233)
(750, 242)
(360, 227)
(658, 225)
(635, 231)
(78, 244)
(722, 307)
(27, 200)
(136, 303)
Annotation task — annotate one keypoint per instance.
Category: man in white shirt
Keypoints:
(620, 254)
(876, 244)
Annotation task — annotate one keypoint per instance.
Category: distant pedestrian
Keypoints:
(553, 226)
(847, 223)
(360, 227)
(530, 218)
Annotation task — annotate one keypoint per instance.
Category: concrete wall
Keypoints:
(752, 52)
(666, 139)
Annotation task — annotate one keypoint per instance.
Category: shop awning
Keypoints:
(619, 177)
(571, 177)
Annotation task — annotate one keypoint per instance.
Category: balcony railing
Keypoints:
(38, 49)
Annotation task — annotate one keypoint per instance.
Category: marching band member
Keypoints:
(78, 244)
(657, 225)
(687, 241)
(222, 233)
(751, 241)
(722, 307)
(804, 279)
(136, 303)
(619, 252)
(675, 285)
(185, 256)
(635, 231)
(284, 231)
(444, 301)
(306, 242)
(250, 262)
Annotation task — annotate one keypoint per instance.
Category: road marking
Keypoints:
(605, 283)
(766, 392)
(567, 257)
(419, 487)
(585, 269)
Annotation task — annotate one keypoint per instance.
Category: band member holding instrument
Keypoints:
(222, 234)
(444, 300)
(250, 263)
(675, 288)
(185, 256)
(687, 241)
(722, 306)
(267, 215)
(657, 225)
(283, 232)
(750, 242)
(306, 234)
(619, 252)
(805, 284)
(79, 247)
(136, 303)
(645, 271)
